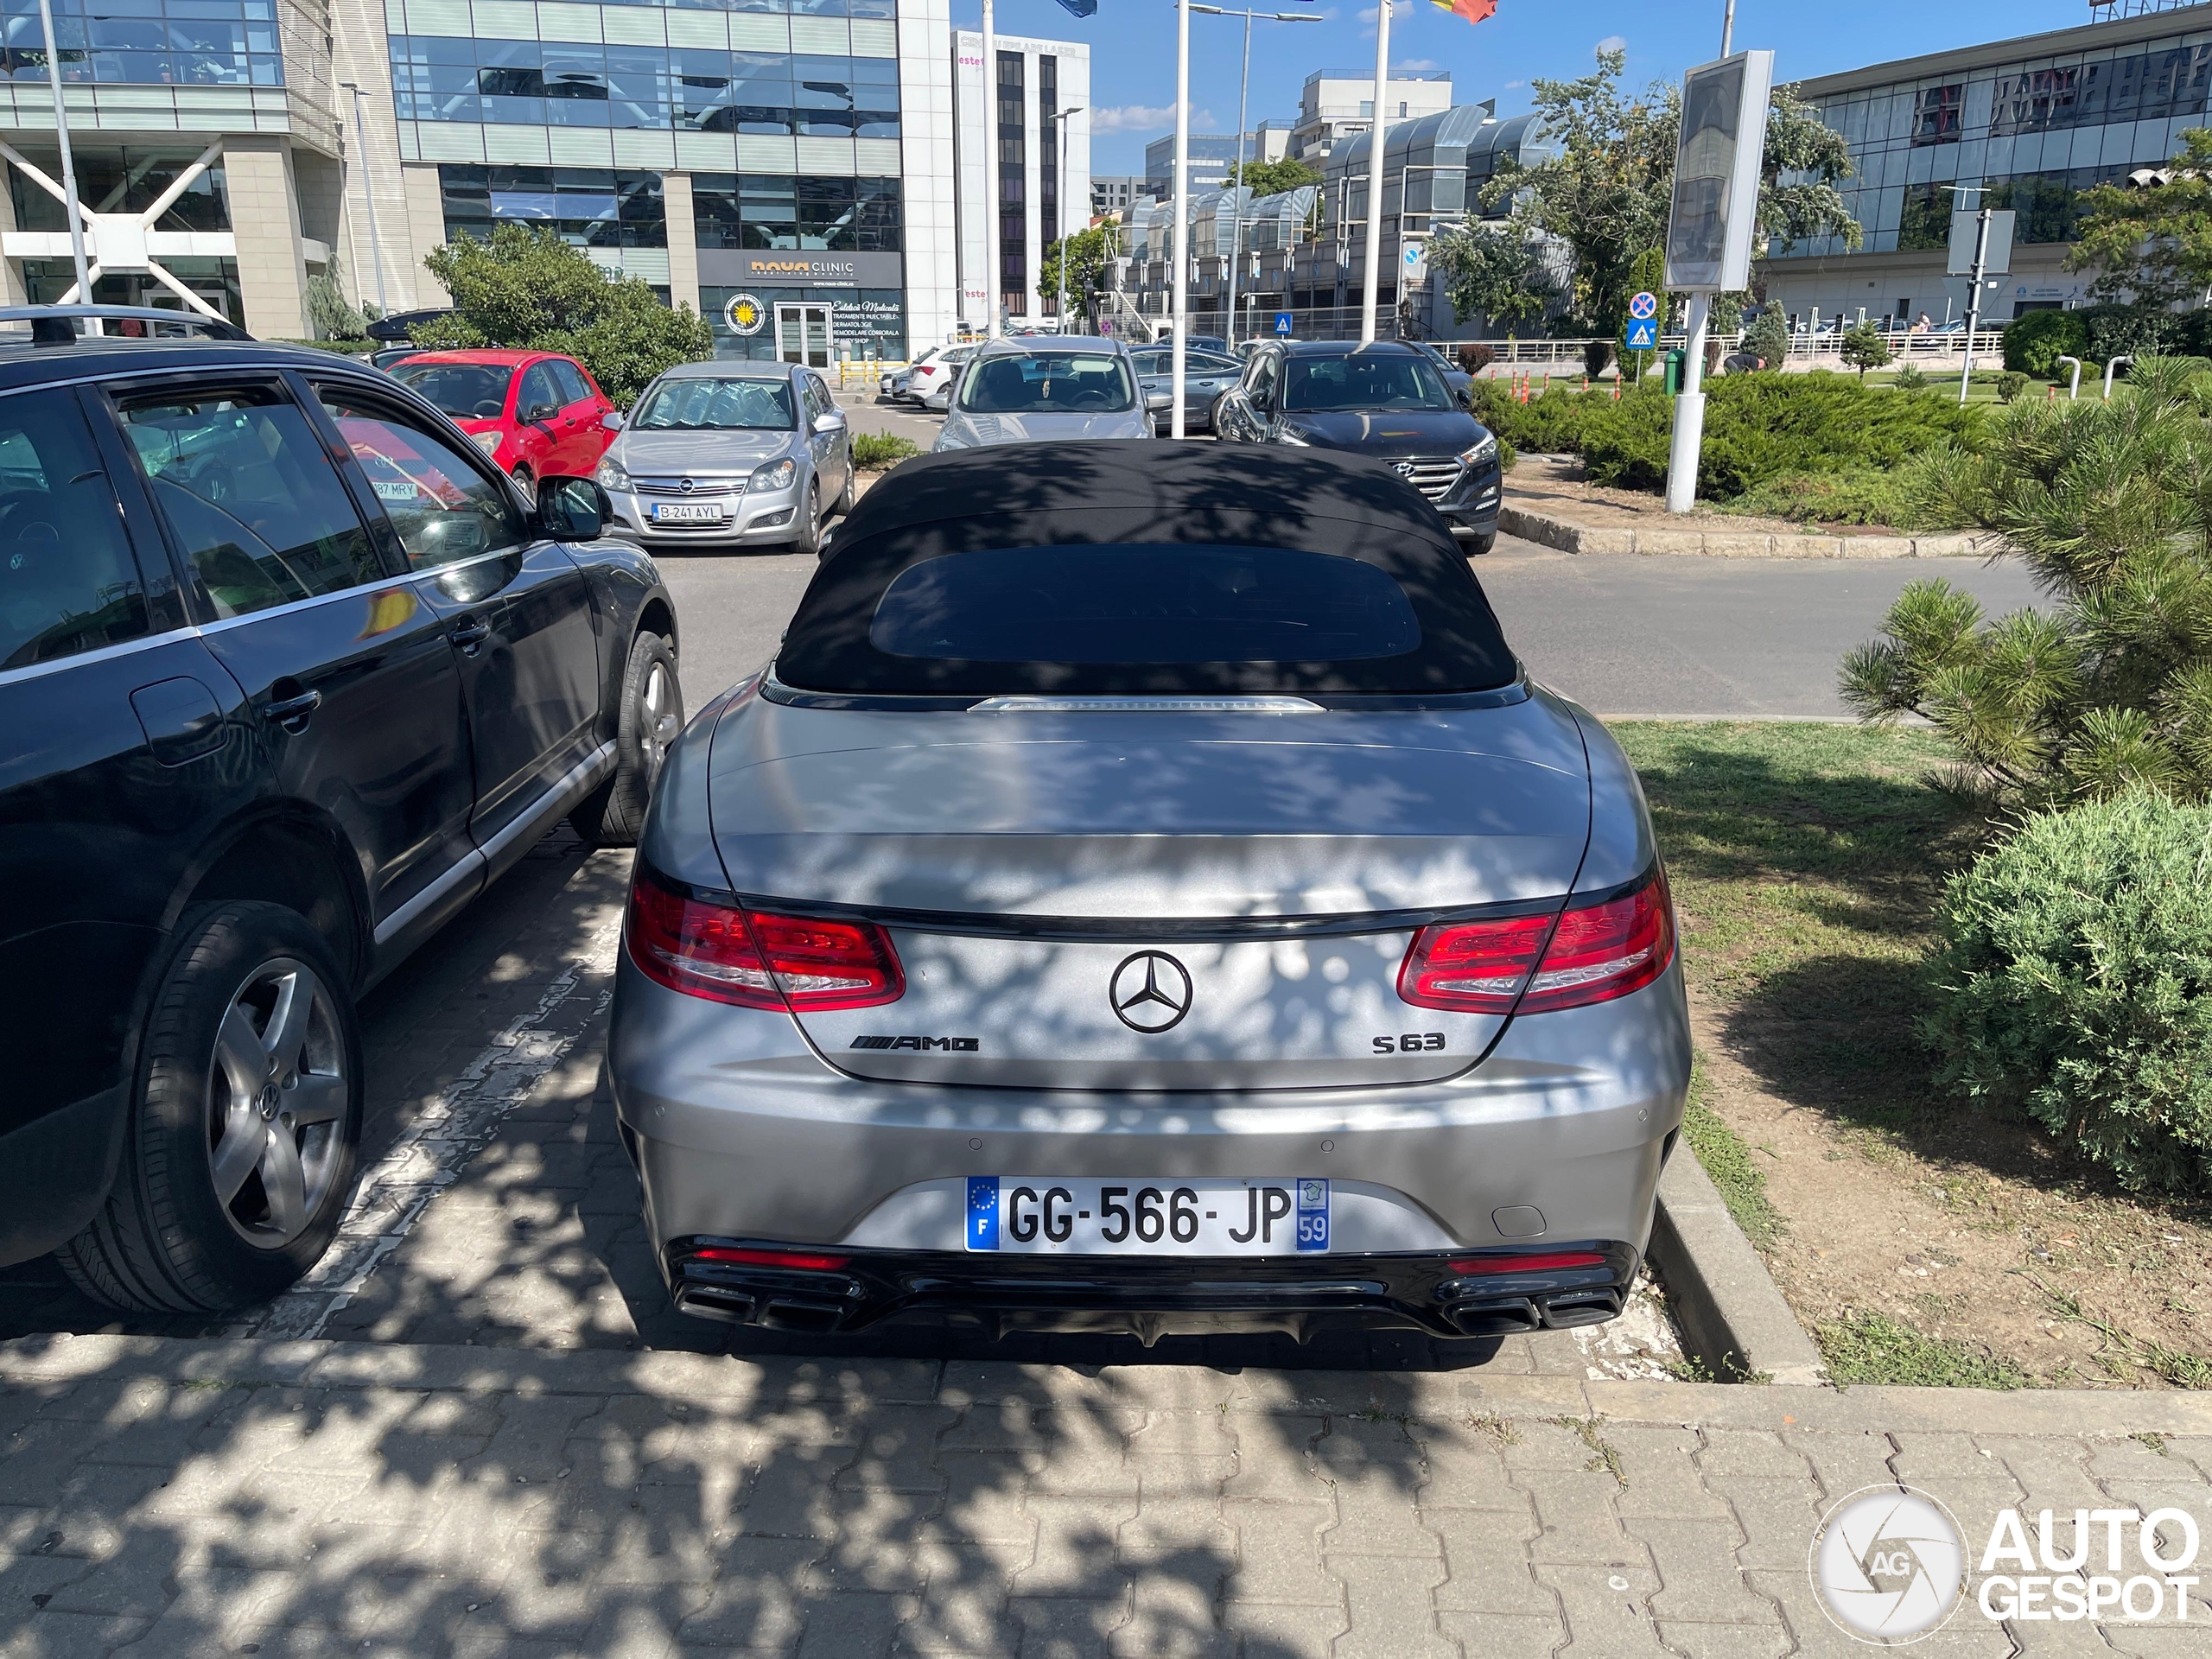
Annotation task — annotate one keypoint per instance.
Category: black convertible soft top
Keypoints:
(1143, 495)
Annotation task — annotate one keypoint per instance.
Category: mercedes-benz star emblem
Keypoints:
(1151, 992)
(685, 485)
(1402, 468)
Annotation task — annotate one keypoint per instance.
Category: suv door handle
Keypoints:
(291, 713)
(469, 634)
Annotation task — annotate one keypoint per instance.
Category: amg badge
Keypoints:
(956, 1044)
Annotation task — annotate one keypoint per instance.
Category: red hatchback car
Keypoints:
(532, 412)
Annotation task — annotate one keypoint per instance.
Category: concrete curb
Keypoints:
(1565, 537)
(1724, 1301)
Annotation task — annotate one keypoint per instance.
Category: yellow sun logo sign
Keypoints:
(744, 315)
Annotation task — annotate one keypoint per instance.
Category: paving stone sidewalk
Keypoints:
(178, 1496)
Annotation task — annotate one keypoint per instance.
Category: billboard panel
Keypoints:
(1717, 174)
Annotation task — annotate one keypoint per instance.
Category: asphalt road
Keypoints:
(1647, 636)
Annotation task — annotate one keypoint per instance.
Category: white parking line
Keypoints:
(432, 1151)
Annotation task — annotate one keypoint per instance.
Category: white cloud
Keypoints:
(1143, 117)
(1613, 43)
(1414, 66)
(1515, 85)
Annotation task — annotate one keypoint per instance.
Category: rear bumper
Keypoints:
(741, 1131)
(1148, 1299)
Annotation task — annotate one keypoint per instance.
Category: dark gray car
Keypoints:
(1206, 375)
(1146, 892)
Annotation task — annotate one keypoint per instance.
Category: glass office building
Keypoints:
(2032, 122)
(798, 152)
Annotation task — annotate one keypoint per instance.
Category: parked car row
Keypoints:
(1054, 807)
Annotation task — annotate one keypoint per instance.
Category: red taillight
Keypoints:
(757, 959)
(802, 1261)
(1492, 1264)
(1596, 952)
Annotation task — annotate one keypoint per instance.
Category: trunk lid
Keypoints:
(1149, 900)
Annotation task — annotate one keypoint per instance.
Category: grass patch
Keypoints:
(874, 451)
(1876, 1350)
(1727, 1159)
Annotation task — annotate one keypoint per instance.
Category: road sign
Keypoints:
(1283, 324)
(1641, 306)
(1642, 334)
(1723, 136)
(1413, 255)
(1966, 236)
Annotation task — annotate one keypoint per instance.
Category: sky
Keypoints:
(1133, 49)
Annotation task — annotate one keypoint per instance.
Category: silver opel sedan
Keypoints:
(719, 453)
(1145, 894)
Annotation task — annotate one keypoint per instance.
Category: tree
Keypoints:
(1087, 254)
(1768, 338)
(1864, 347)
(2152, 244)
(1272, 178)
(2111, 689)
(1494, 270)
(527, 289)
(332, 316)
(1607, 195)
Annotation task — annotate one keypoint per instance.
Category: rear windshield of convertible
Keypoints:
(1137, 606)
(1134, 568)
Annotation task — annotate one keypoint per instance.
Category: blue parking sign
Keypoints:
(1283, 324)
(1642, 334)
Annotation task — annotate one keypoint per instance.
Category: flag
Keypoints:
(1085, 8)
(1473, 11)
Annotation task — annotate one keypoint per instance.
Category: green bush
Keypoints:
(1909, 378)
(1864, 495)
(874, 451)
(2074, 982)
(2034, 343)
(2010, 384)
(1759, 427)
(1549, 424)
(2132, 331)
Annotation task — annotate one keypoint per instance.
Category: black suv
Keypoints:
(291, 672)
(1385, 399)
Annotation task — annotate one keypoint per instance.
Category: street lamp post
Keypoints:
(368, 194)
(993, 254)
(1243, 88)
(1062, 118)
(1371, 281)
(1180, 246)
(68, 166)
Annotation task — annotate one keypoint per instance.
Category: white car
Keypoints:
(929, 383)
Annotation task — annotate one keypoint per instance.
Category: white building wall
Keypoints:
(926, 161)
(360, 53)
(973, 117)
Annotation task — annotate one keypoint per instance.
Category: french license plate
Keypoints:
(687, 513)
(1031, 1215)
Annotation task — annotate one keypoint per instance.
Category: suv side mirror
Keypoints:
(573, 509)
(825, 424)
(612, 420)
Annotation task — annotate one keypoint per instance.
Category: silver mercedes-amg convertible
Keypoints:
(1146, 894)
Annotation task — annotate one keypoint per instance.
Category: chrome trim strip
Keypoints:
(1160, 705)
(404, 917)
(103, 653)
(580, 780)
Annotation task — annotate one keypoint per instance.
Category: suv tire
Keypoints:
(648, 722)
(249, 1079)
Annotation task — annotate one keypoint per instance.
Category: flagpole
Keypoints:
(1372, 278)
(1182, 242)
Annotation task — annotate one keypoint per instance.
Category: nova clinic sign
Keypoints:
(1709, 229)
